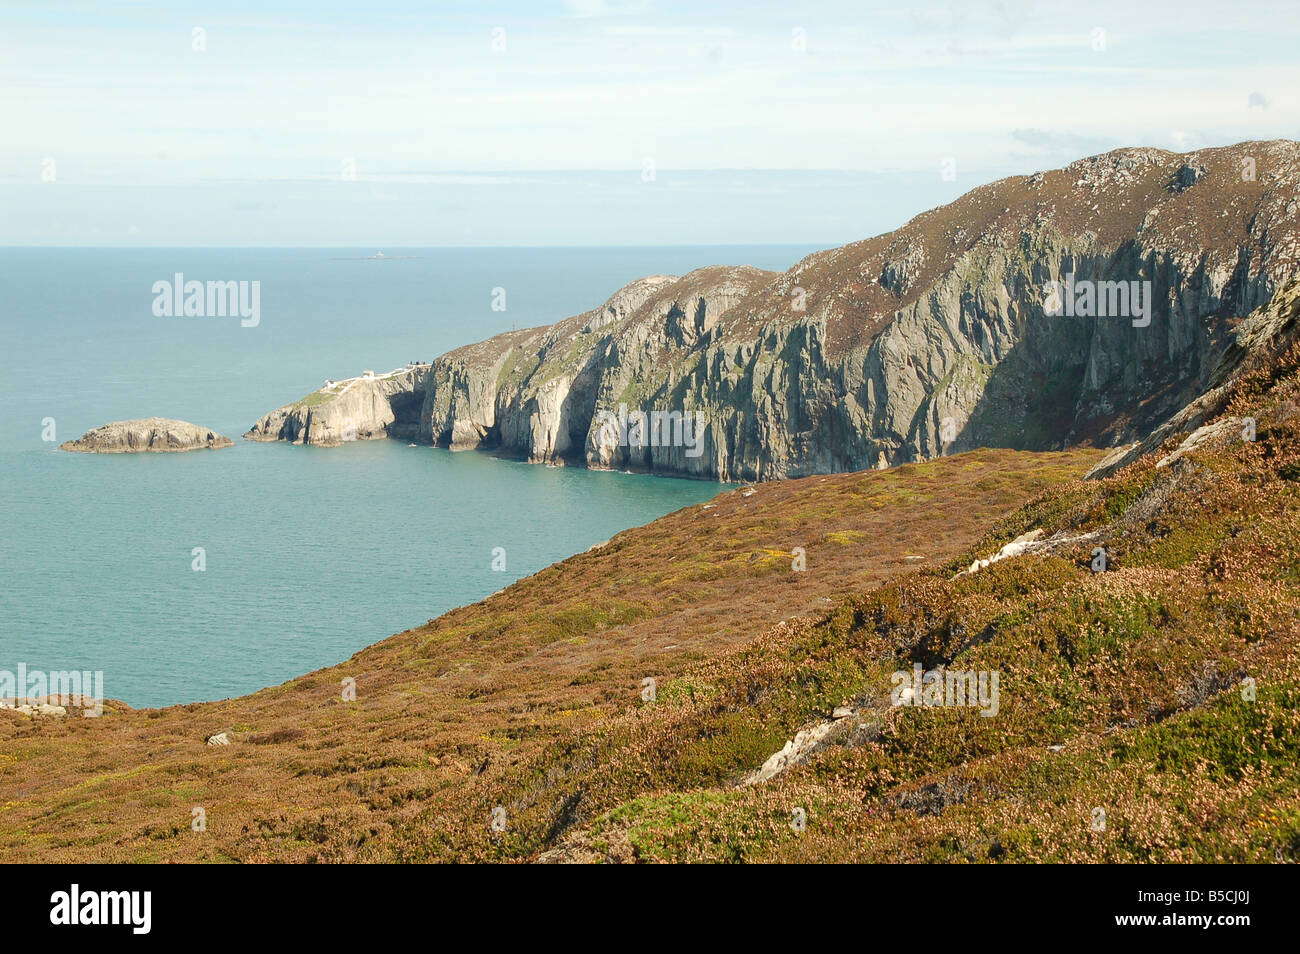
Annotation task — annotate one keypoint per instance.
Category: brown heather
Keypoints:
(479, 701)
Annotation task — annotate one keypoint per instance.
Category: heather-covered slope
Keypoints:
(931, 338)
(469, 698)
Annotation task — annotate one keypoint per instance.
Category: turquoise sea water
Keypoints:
(311, 554)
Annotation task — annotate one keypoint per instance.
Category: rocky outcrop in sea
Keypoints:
(151, 434)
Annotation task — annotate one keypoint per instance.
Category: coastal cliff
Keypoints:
(362, 408)
(938, 337)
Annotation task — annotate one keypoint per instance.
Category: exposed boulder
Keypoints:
(1187, 176)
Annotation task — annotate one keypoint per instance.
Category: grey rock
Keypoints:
(1187, 176)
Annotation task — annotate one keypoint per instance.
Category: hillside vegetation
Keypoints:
(448, 712)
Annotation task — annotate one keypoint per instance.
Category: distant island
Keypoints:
(150, 434)
(377, 257)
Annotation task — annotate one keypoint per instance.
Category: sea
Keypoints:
(211, 574)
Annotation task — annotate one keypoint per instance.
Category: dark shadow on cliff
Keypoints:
(1103, 381)
(406, 407)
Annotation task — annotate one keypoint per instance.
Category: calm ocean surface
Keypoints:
(311, 554)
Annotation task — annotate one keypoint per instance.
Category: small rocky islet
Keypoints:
(147, 435)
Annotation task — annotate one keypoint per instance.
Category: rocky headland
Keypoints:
(935, 338)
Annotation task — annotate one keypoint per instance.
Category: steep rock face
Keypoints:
(150, 434)
(941, 336)
(362, 408)
(1258, 341)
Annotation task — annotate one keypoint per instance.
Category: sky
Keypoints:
(592, 122)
